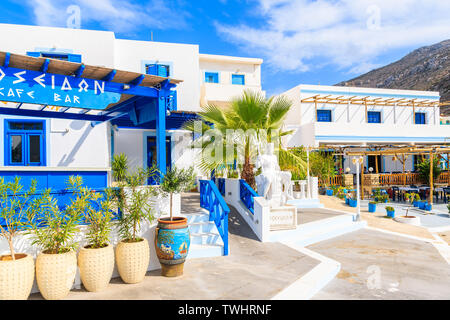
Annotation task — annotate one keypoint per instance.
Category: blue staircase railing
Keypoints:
(211, 200)
(221, 184)
(247, 194)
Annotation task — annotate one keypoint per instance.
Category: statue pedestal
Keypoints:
(283, 218)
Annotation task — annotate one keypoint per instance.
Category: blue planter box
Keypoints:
(347, 200)
(353, 203)
(329, 192)
(416, 204)
(391, 214)
(422, 205)
(428, 207)
(372, 207)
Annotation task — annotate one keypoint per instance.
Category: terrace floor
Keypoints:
(253, 270)
(406, 268)
(312, 215)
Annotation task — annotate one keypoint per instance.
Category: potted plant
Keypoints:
(16, 269)
(55, 233)
(135, 204)
(390, 212)
(172, 239)
(353, 202)
(96, 259)
(119, 167)
(372, 206)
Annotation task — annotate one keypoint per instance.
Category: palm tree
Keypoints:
(254, 121)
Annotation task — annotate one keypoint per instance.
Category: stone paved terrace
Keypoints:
(410, 269)
(253, 270)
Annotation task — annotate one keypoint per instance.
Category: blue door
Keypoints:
(152, 153)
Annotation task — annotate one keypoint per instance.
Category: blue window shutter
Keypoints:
(163, 71)
(33, 54)
(324, 115)
(74, 58)
(152, 69)
(420, 118)
(374, 117)
(238, 79)
(211, 77)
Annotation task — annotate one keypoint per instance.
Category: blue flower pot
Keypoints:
(329, 192)
(428, 207)
(347, 201)
(422, 205)
(416, 204)
(172, 242)
(391, 214)
(353, 203)
(372, 207)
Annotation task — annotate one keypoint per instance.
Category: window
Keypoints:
(238, 79)
(324, 115)
(373, 117)
(55, 55)
(161, 70)
(420, 118)
(25, 143)
(212, 77)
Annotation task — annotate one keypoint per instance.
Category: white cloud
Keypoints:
(349, 34)
(123, 16)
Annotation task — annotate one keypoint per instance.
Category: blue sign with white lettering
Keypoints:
(26, 86)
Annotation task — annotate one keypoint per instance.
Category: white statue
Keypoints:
(273, 184)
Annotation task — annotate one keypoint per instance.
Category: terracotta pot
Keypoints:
(55, 274)
(132, 260)
(16, 277)
(172, 241)
(96, 267)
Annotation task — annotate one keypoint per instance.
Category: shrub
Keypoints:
(119, 167)
(16, 206)
(390, 208)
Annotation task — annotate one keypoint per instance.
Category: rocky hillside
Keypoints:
(427, 68)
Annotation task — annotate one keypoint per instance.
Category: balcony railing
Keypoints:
(388, 179)
(247, 194)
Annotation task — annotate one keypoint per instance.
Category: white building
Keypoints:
(76, 144)
(345, 116)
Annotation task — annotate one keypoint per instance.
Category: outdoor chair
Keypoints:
(446, 194)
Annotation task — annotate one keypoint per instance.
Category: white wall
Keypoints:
(96, 47)
(184, 59)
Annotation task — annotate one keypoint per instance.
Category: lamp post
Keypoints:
(357, 162)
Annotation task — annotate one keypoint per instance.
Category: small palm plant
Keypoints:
(119, 167)
(15, 206)
(177, 181)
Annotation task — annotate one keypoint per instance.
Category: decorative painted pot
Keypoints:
(16, 277)
(329, 192)
(132, 260)
(172, 241)
(55, 274)
(353, 203)
(391, 214)
(372, 207)
(96, 267)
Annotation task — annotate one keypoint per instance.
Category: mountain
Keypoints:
(427, 68)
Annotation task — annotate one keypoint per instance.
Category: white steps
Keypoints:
(205, 238)
(317, 231)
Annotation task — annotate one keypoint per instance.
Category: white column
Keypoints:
(307, 174)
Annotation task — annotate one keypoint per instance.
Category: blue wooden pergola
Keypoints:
(49, 88)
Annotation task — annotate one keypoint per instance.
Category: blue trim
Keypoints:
(369, 94)
(247, 195)
(378, 138)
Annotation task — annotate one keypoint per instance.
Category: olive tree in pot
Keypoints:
(172, 238)
(55, 232)
(16, 269)
(96, 259)
(135, 204)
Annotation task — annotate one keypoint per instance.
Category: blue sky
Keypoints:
(301, 41)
